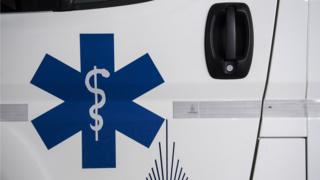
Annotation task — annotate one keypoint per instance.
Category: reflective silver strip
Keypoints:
(206, 109)
(216, 109)
(186, 109)
(226, 109)
(245, 109)
(313, 108)
(13, 112)
(285, 108)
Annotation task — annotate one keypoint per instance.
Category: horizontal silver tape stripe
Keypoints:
(234, 109)
(206, 109)
(284, 108)
(245, 109)
(13, 112)
(216, 109)
(313, 108)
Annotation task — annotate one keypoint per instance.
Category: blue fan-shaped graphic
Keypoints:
(165, 169)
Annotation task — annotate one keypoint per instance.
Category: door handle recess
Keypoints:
(230, 34)
(229, 41)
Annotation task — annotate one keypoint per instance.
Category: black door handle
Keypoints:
(229, 40)
(230, 49)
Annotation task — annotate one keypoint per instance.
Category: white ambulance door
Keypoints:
(281, 153)
(183, 83)
(313, 95)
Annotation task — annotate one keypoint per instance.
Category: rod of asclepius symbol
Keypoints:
(94, 109)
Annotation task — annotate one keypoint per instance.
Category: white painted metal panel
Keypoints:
(314, 91)
(172, 32)
(287, 79)
(281, 159)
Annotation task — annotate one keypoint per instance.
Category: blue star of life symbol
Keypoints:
(119, 112)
